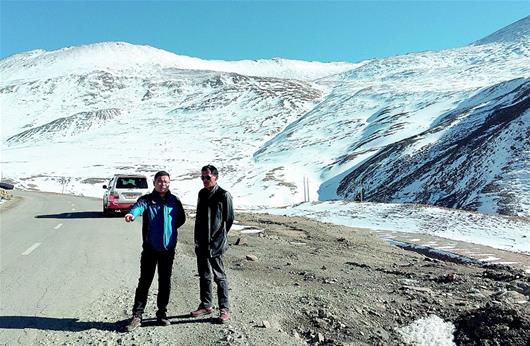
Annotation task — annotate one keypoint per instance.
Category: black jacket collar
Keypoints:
(155, 196)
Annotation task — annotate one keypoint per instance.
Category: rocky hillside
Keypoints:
(481, 157)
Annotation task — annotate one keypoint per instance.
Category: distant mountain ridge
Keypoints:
(122, 56)
(65, 127)
(446, 128)
(519, 30)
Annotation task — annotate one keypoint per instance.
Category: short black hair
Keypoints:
(211, 168)
(161, 174)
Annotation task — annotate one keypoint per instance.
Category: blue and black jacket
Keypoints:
(162, 216)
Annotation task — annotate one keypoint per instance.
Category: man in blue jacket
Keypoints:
(162, 215)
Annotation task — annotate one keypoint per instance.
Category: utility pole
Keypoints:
(305, 193)
(306, 189)
(362, 190)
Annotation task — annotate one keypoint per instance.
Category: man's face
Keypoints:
(162, 184)
(208, 179)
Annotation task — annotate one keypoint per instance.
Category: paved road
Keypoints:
(58, 253)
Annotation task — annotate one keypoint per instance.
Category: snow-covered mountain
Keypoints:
(121, 57)
(513, 32)
(447, 128)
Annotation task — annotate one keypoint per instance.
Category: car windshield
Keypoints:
(131, 183)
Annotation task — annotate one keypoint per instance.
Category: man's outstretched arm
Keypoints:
(136, 210)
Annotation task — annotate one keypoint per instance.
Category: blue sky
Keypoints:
(233, 30)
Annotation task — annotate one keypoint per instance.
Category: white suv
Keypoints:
(122, 192)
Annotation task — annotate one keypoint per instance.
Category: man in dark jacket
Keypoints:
(214, 218)
(162, 215)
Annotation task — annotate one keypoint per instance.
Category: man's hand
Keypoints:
(129, 217)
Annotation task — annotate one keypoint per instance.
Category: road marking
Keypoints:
(73, 208)
(58, 226)
(30, 250)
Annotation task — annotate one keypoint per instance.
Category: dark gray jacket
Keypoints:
(215, 215)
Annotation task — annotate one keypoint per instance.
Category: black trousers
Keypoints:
(208, 266)
(149, 261)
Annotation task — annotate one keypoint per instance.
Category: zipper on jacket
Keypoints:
(209, 230)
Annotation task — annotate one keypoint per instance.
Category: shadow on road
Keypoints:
(73, 215)
(52, 323)
(183, 319)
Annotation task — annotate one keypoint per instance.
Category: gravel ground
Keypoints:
(303, 282)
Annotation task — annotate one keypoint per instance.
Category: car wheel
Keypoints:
(105, 211)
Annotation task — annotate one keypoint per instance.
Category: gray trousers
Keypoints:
(206, 267)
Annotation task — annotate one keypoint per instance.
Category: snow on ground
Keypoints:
(501, 232)
(429, 331)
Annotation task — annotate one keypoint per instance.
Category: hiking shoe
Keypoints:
(201, 311)
(135, 322)
(163, 321)
(224, 316)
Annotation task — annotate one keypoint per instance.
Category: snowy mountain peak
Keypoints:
(511, 33)
(123, 56)
(41, 64)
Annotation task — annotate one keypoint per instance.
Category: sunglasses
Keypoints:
(206, 177)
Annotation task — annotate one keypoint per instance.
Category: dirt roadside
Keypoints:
(299, 282)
